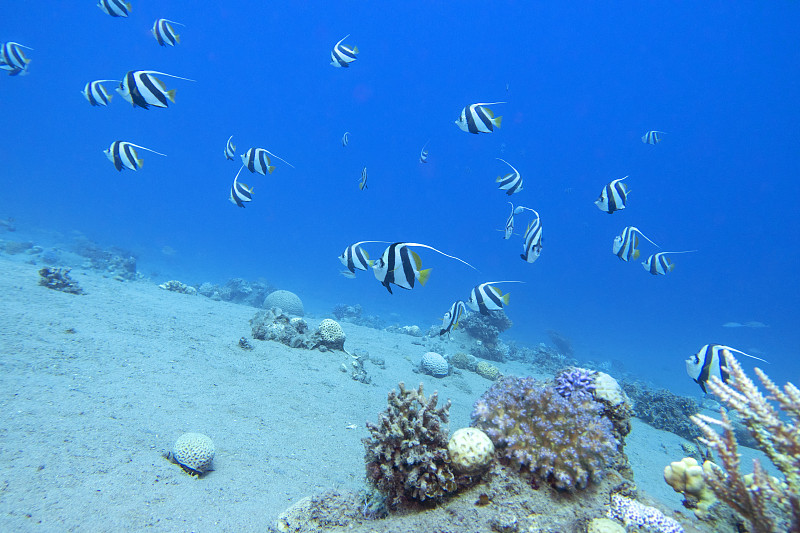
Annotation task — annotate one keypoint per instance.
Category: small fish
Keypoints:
(652, 137)
(115, 8)
(13, 59)
(423, 154)
(354, 257)
(96, 94)
(752, 324)
(625, 245)
(347, 274)
(142, 89)
(345, 138)
(230, 149)
(485, 297)
(509, 229)
(123, 154)
(659, 264)
(512, 182)
(362, 182)
(342, 55)
(240, 193)
(402, 266)
(257, 160)
(614, 197)
(533, 241)
(164, 32)
(711, 360)
(476, 118)
(452, 316)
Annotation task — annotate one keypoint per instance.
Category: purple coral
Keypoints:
(564, 441)
(575, 381)
(632, 513)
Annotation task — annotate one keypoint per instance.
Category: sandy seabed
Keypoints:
(94, 388)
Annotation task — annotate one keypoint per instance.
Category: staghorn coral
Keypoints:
(565, 442)
(767, 503)
(406, 453)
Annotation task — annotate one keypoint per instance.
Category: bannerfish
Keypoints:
(230, 149)
(142, 89)
(402, 266)
(96, 94)
(342, 55)
(115, 8)
(13, 59)
(512, 182)
(533, 241)
(625, 245)
(423, 154)
(614, 196)
(165, 33)
(257, 160)
(452, 316)
(354, 257)
(240, 193)
(123, 154)
(485, 297)
(711, 360)
(345, 138)
(362, 182)
(659, 264)
(652, 137)
(509, 229)
(476, 118)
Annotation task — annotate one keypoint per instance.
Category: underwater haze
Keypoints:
(582, 83)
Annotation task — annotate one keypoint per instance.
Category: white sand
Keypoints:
(87, 415)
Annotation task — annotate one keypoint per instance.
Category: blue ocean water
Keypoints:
(582, 81)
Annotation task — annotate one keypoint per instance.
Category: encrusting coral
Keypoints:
(767, 503)
(563, 441)
(406, 453)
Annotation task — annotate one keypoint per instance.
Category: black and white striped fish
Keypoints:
(509, 229)
(402, 266)
(659, 264)
(477, 118)
(532, 241)
(712, 360)
(230, 149)
(123, 155)
(362, 182)
(240, 193)
(423, 154)
(345, 138)
(614, 196)
(342, 55)
(257, 160)
(96, 94)
(626, 244)
(115, 8)
(485, 297)
(142, 89)
(511, 182)
(652, 137)
(452, 316)
(13, 59)
(354, 257)
(164, 32)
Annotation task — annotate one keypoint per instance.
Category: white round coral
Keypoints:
(286, 301)
(434, 364)
(331, 332)
(608, 390)
(470, 449)
(194, 451)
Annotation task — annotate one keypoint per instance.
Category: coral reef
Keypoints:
(406, 453)
(686, 477)
(177, 286)
(194, 452)
(766, 502)
(545, 359)
(59, 279)
(563, 441)
(349, 312)
(434, 365)
(488, 371)
(237, 290)
(471, 450)
(286, 301)
(663, 409)
(464, 361)
(618, 409)
(575, 381)
(635, 514)
(113, 261)
(485, 329)
(357, 369)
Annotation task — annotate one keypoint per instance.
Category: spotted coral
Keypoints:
(563, 441)
(406, 453)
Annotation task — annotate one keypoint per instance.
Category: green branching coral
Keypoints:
(406, 453)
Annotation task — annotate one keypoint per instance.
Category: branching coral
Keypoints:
(767, 503)
(406, 454)
(564, 441)
(575, 381)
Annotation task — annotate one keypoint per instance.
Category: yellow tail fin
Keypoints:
(424, 275)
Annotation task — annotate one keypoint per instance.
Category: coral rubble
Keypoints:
(663, 409)
(59, 279)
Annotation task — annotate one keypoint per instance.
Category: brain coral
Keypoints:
(286, 301)
(564, 441)
(434, 364)
(194, 452)
(406, 453)
(487, 370)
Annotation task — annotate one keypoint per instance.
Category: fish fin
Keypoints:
(636, 254)
(171, 95)
(177, 38)
(139, 163)
(497, 121)
(355, 49)
(417, 260)
(128, 5)
(670, 266)
(270, 169)
(424, 275)
(505, 298)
